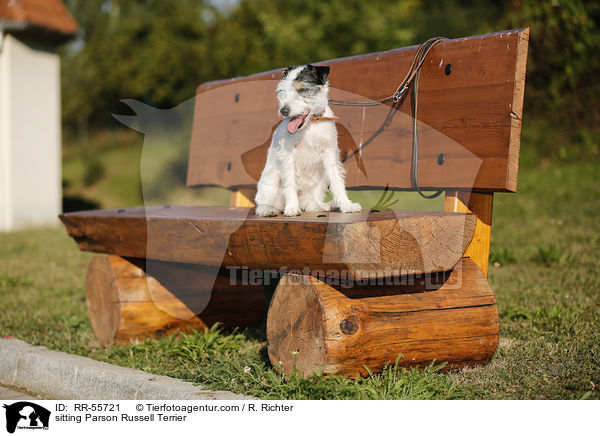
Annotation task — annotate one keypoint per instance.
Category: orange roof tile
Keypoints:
(46, 14)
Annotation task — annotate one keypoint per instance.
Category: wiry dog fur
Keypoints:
(303, 160)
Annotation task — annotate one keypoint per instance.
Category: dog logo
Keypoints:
(26, 415)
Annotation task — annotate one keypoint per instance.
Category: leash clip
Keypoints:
(398, 95)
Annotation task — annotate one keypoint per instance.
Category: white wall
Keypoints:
(30, 135)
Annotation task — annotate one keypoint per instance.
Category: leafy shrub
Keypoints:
(94, 171)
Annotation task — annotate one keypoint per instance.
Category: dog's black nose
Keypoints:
(285, 111)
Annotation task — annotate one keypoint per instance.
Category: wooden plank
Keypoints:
(517, 110)
(468, 115)
(364, 245)
(318, 327)
(128, 300)
(480, 204)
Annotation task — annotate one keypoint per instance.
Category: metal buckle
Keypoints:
(398, 94)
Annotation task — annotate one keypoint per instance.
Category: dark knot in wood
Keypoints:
(349, 326)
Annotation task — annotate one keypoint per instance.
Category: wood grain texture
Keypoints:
(363, 245)
(125, 301)
(479, 204)
(467, 115)
(517, 110)
(321, 328)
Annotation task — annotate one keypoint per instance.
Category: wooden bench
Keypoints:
(165, 268)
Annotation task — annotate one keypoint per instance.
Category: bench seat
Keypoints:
(364, 245)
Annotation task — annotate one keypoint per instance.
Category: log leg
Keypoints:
(125, 302)
(320, 328)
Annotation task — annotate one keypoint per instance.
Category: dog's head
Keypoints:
(302, 91)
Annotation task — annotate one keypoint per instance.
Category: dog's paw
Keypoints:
(291, 211)
(350, 207)
(265, 210)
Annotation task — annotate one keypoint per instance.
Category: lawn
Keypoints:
(544, 270)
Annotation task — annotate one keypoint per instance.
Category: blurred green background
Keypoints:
(159, 51)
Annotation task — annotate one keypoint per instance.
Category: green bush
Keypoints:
(562, 92)
(94, 170)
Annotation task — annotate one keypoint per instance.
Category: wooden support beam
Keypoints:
(480, 204)
(332, 329)
(242, 198)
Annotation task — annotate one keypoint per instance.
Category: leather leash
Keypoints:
(412, 77)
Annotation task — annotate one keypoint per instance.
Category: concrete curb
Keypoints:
(57, 375)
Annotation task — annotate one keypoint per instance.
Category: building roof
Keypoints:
(44, 17)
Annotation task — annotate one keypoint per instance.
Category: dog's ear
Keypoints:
(322, 73)
(286, 71)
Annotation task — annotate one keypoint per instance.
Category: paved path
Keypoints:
(57, 375)
(11, 394)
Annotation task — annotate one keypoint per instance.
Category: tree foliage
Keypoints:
(563, 68)
(151, 50)
(158, 51)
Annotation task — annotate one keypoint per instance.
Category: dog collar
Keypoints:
(317, 118)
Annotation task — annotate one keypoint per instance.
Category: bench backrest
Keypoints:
(469, 112)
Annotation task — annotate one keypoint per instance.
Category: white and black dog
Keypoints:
(303, 160)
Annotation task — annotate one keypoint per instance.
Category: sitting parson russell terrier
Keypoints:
(303, 160)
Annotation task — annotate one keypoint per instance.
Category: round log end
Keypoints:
(103, 299)
(295, 327)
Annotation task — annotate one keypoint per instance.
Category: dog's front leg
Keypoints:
(289, 188)
(335, 174)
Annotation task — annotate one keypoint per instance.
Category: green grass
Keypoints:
(544, 270)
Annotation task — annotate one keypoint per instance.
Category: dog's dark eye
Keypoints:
(303, 90)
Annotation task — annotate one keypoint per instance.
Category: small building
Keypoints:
(30, 123)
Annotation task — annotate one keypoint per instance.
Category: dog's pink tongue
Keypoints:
(295, 123)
